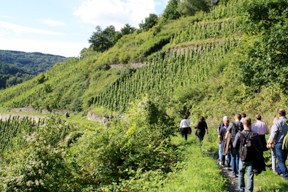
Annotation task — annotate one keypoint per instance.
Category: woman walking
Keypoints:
(185, 126)
(201, 128)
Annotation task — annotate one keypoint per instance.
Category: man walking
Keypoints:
(221, 137)
(233, 129)
(278, 132)
(248, 144)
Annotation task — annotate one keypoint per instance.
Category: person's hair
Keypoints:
(247, 121)
(282, 112)
(238, 116)
(243, 115)
(201, 118)
(186, 116)
(258, 117)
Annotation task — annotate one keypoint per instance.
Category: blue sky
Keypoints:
(63, 27)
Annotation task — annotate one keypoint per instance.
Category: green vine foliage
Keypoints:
(37, 162)
(267, 58)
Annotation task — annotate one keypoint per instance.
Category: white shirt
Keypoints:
(184, 123)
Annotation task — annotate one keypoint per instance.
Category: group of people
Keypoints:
(242, 144)
(201, 128)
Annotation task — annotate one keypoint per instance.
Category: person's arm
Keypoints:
(266, 129)
(219, 135)
(236, 140)
(206, 127)
(180, 125)
(272, 136)
(196, 125)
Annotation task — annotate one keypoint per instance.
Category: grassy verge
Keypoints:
(268, 181)
(198, 171)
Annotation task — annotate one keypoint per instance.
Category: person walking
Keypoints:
(248, 143)
(233, 129)
(221, 137)
(261, 129)
(278, 132)
(272, 149)
(185, 126)
(201, 128)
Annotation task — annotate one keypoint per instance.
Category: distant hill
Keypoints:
(17, 66)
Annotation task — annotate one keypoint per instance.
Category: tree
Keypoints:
(171, 11)
(127, 29)
(267, 59)
(103, 40)
(83, 52)
(190, 7)
(149, 22)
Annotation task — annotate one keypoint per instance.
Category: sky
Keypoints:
(63, 27)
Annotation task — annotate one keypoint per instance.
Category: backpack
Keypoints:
(247, 148)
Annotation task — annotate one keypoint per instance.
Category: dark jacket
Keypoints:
(258, 159)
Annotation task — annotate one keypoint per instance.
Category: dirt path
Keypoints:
(233, 181)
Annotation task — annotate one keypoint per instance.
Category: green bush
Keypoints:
(139, 142)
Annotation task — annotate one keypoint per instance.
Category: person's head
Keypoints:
(186, 116)
(281, 113)
(258, 117)
(247, 123)
(225, 120)
(243, 115)
(238, 117)
(201, 118)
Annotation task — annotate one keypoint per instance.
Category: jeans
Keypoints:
(235, 160)
(281, 157)
(273, 159)
(250, 176)
(228, 159)
(221, 157)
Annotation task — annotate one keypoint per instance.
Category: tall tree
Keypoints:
(171, 11)
(101, 40)
(127, 29)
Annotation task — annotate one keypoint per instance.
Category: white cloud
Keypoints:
(53, 23)
(116, 12)
(68, 49)
(20, 29)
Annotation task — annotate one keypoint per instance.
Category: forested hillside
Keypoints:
(224, 58)
(17, 66)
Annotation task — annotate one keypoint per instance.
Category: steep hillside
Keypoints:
(198, 61)
(168, 49)
(17, 66)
